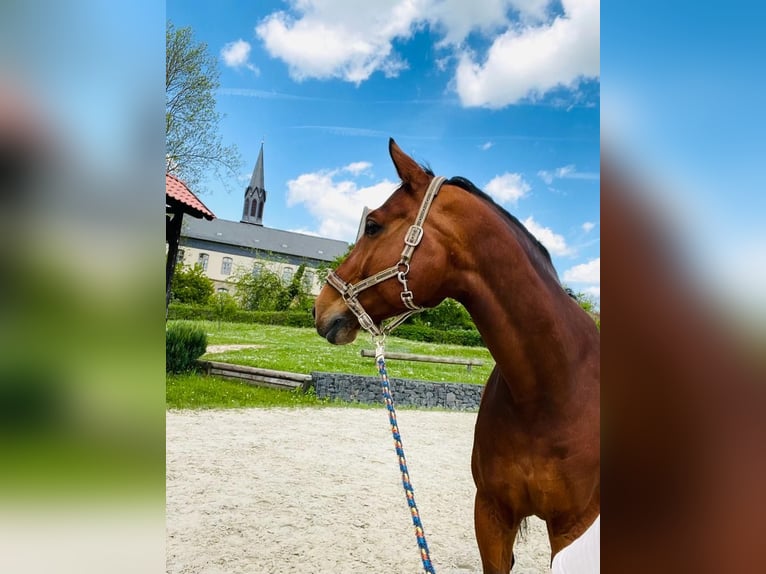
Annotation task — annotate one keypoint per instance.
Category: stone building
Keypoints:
(225, 248)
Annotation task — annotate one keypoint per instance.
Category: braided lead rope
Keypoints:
(408, 490)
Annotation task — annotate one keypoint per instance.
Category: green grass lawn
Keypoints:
(301, 350)
(195, 390)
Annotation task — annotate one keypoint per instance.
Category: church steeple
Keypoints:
(255, 194)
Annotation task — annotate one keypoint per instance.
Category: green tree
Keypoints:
(260, 291)
(295, 295)
(193, 146)
(448, 315)
(224, 307)
(325, 267)
(190, 285)
(588, 304)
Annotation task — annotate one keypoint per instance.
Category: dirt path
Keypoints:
(224, 348)
(318, 491)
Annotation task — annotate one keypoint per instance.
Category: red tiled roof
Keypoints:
(177, 189)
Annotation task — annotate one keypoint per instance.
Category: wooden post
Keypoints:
(173, 236)
(426, 358)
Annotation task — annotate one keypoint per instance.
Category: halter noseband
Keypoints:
(412, 239)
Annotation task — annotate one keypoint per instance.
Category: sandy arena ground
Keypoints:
(319, 491)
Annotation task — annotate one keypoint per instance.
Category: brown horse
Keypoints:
(536, 444)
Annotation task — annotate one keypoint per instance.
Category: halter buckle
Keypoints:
(366, 322)
(414, 235)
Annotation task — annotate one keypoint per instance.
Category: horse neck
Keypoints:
(524, 316)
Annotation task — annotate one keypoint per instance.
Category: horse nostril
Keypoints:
(314, 312)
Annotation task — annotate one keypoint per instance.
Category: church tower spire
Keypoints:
(255, 194)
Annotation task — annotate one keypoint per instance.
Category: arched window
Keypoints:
(287, 275)
(180, 256)
(202, 260)
(308, 280)
(226, 266)
(257, 269)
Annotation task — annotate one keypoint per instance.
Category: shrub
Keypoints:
(184, 344)
(463, 337)
(191, 285)
(295, 318)
(282, 318)
(295, 296)
(224, 307)
(261, 291)
(446, 316)
(303, 318)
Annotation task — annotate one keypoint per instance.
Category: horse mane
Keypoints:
(471, 188)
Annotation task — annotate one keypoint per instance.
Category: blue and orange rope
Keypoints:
(408, 490)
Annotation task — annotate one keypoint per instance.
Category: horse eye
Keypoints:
(371, 228)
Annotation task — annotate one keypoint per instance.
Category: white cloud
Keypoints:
(442, 63)
(549, 176)
(237, 55)
(457, 18)
(533, 59)
(567, 172)
(589, 272)
(486, 145)
(531, 52)
(358, 167)
(304, 231)
(594, 290)
(588, 226)
(554, 242)
(335, 203)
(330, 39)
(586, 278)
(507, 188)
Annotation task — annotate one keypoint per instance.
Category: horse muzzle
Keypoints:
(339, 327)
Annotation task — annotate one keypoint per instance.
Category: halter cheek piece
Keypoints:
(412, 239)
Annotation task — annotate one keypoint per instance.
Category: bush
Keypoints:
(184, 344)
(446, 316)
(301, 318)
(282, 318)
(463, 337)
(224, 306)
(260, 292)
(191, 285)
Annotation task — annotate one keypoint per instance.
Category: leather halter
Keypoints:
(412, 239)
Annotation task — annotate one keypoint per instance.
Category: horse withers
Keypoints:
(536, 443)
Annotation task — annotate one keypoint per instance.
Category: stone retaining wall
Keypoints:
(406, 392)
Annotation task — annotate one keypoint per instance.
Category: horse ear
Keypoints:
(408, 169)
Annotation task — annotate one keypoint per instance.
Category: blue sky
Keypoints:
(505, 93)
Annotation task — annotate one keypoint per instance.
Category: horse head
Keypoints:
(390, 281)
